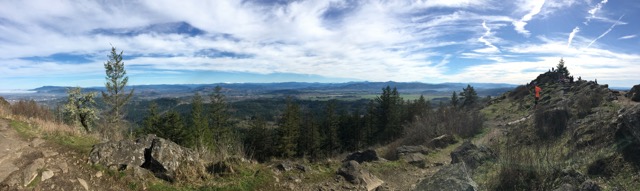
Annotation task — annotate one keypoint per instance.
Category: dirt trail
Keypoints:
(11, 146)
(37, 164)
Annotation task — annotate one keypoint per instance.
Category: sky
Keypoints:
(66, 43)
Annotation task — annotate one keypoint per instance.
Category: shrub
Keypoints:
(519, 92)
(634, 93)
(4, 102)
(528, 168)
(4, 107)
(586, 101)
(550, 123)
(446, 120)
(31, 109)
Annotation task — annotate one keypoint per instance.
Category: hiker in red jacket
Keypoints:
(537, 89)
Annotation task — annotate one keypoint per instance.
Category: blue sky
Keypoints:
(66, 43)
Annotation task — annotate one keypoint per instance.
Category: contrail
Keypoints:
(605, 32)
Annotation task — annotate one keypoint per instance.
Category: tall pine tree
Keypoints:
(309, 140)
(562, 69)
(171, 127)
(289, 129)
(116, 97)
(331, 143)
(219, 123)
(200, 134)
(259, 141)
(455, 101)
(389, 115)
(470, 97)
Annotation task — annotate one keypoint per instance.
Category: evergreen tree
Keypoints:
(80, 108)
(289, 129)
(168, 125)
(562, 69)
(115, 97)
(469, 95)
(259, 141)
(309, 139)
(171, 127)
(389, 115)
(359, 131)
(370, 123)
(332, 123)
(416, 108)
(454, 99)
(200, 134)
(219, 118)
(350, 131)
(149, 124)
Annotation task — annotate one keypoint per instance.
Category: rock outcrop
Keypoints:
(352, 172)
(158, 155)
(413, 155)
(364, 156)
(634, 93)
(452, 177)
(572, 180)
(415, 159)
(472, 155)
(442, 141)
(403, 150)
(628, 134)
(120, 155)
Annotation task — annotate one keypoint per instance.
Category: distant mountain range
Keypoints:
(299, 87)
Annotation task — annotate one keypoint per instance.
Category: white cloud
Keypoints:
(572, 34)
(367, 40)
(628, 37)
(491, 48)
(592, 12)
(535, 8)
(454, 3)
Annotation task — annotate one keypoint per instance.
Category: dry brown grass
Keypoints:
(39, 117)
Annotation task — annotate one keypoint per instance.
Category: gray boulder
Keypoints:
(284, 166)
(634, 93)
(629, 120)
(402, 150)
(451, 177)
(352, 172)
(472, 155)
(415, 159)
(158, 155)
(123, 154)
(164, 158)
(628, 134)
(589, 186)
(565, 187)
(364, 156)
(442, 141)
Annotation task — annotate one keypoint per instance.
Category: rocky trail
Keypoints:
(38, 164)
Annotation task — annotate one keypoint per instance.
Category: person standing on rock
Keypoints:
(537, 90)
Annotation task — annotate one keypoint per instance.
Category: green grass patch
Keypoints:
(36, 180)
(111, 173)
(163, 186)
(79, 143)
(321, 171)
(443, 156)
(406, 96)
(25, 130)
(388, 166)
(247, 177)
